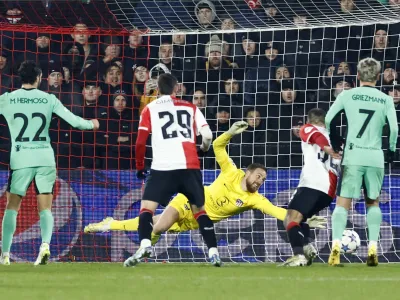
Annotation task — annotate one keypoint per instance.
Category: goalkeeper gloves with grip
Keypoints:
(238, 127)
(141, 174)
(317, 222)
(391, 156)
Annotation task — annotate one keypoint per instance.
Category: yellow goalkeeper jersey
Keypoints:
(225, 196)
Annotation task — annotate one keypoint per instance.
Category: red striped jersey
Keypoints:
(320, 171)
(174, 125)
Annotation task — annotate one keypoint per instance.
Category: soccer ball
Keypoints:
(350, 241)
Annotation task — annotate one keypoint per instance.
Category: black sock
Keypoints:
(206, 227)
(305, 228)
(296, 237)
(145, 224)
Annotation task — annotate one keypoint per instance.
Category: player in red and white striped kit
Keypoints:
(316, 189)
(174, 125)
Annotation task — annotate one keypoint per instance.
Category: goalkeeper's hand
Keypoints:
(238, 127)
(317, 222)
(201, 152)
(141, 174)
(391, 156)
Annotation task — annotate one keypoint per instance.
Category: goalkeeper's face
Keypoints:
(255, 179)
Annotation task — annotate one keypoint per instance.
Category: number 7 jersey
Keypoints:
(174, 125)
(28, 113)
(366, 110)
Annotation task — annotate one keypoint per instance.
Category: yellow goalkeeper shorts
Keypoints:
(186, 220)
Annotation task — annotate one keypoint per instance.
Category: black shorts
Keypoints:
(308, 201)
(162, 185)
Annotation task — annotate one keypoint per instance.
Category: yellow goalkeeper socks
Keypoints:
(127, 225)
(8, 229)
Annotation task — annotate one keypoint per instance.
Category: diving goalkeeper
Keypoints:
(28, 112)
(233, 192)
(366, 109)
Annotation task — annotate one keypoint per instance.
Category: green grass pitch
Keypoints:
(97, 281)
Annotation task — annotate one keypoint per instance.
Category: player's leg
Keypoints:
(373, 181)
(349, 187)
(45, 179)
(18, 182)
(192, 187)
(159, 188)
(299, 206)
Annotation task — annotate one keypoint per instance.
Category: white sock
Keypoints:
(373, 243)
(6, 254)
(145, 243)
(212, 251)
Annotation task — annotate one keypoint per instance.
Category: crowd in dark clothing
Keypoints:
(270, 79)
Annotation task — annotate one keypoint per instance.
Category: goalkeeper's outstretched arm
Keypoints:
(220, 143)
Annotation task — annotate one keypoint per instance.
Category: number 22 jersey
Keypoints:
(28, 113)
(174, 125)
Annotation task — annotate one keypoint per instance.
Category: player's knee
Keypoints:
(371, 202)
(293, 216)
(159, 229)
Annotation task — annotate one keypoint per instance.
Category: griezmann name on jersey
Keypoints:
(28, 113)
(366, 109)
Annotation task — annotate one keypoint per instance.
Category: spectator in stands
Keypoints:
(199, 99)
(111, 46)
(380, 48)
(135, 54)
(140, 76)
(215, 67)
(206, 13)
(341, 83)
(395, 93)
(232, 98)
(74, 59)
(5, 73)
(250, 50)
(119, 134)
(184, 53)
(92, 94)
(81, 36)
(113, 81)
(222, 118)
(389, 74)
(347, 6)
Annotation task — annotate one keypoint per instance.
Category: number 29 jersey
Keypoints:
(320, 171)
(174, 125)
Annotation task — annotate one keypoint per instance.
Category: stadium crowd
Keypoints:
(271, 79)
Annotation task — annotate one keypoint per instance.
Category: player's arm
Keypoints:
(203, 129)
(336, 108)
(72, 119)
(311, 135)
(393, 125)
(141, 140)
(220, 143)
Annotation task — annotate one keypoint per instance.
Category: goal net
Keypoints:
(266, 62)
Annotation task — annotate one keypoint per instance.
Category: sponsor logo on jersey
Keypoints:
(17, 148)
(351, 146)
(28, 101)
(239, 203)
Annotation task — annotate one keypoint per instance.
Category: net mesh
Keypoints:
(268, 78)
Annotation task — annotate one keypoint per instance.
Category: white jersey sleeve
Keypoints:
(200, 120)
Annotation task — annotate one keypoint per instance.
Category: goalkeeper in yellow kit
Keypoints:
(234, 191)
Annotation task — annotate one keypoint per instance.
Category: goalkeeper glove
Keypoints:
(317, 222)
(391, 156)
(141, 174)
(201, 153)
(238, 127)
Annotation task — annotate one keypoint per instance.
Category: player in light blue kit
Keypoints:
(28, 113)
(367, 110)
